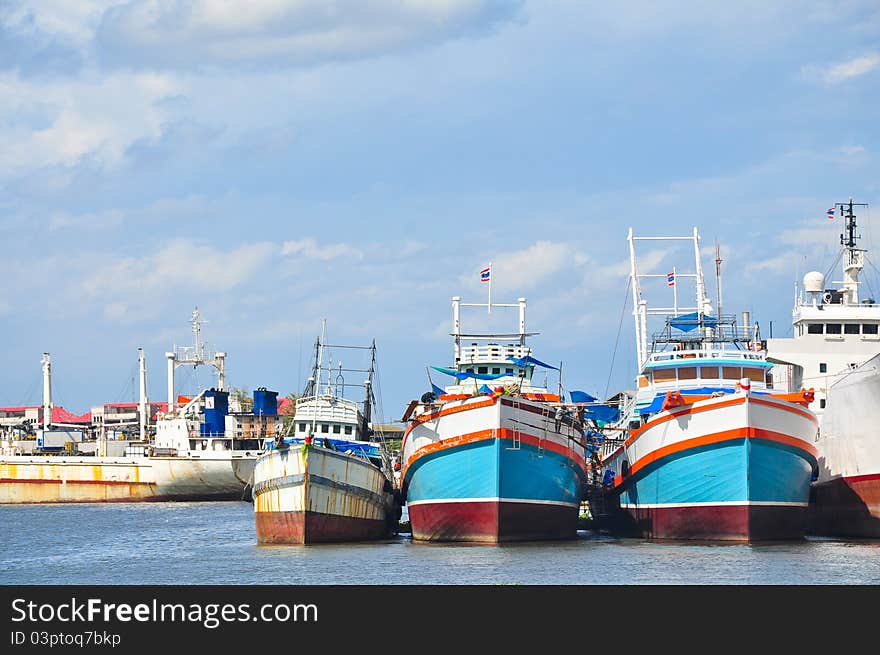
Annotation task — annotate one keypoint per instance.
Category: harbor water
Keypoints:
(215, 543)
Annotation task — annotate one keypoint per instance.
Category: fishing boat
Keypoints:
(196, 450)
(330, 478)
(706, 449)
(835, 348)
(495, 463)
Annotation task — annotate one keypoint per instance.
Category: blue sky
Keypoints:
(362, 161)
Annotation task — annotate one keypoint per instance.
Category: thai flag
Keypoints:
(485, 274)
(670, 279)
(830, 214)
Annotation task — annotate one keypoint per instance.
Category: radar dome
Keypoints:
(814, 282)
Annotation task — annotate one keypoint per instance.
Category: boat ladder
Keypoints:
(517, 433)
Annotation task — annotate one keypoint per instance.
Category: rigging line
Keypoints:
(617, 339)
(834, 265)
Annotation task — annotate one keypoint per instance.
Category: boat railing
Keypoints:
(671, 355)
(494, 352)
(704, 329)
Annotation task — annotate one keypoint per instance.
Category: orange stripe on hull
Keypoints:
(499, 433)
(718, 437)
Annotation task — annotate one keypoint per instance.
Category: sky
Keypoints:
(361, 161)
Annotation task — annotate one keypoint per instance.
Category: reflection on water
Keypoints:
(214, 543)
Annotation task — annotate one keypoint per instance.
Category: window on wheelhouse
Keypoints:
(869, 328)
(687, 373)
(851, 328)
(482, 369)
(833, 328)
(814, 328)
(731, 372)
(709, 372)
(347, 429)
(753, 374)
(664, 375)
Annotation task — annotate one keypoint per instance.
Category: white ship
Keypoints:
(199, 452)
(835, 351)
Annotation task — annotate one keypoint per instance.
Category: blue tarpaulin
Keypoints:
(522, 361)
(688, 322)
(603, 413)
(581, 397)
(341, 445)
(459, 375)
(657, 404)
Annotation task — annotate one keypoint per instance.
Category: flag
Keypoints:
(485, 274)
(670, 279)
(830, 214)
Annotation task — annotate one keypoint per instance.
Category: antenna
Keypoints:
(855, 257)
(718, 261)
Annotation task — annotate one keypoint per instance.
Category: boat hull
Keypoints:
(845, 499)
(846, 507)
(60, 479)
(309, 494)
(727, 469)
(479, 473)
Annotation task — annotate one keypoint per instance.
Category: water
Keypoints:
(215, 543)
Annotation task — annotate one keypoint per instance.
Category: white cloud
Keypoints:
(92, 221)
(310, 249)
(527, 268)
(95, 117)
(196, 33)
(181, 265)
(846, 70)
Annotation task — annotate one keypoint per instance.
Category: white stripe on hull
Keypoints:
(492, 417)
(728, 503)
(492, 499)
(697, 424)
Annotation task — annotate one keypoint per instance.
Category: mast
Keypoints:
(702, 299)
(368, 391)
(637, 306)
(854, 258)
(142, 401)
(317, 383)
(195, 355)
(718, 261)
(47, 390)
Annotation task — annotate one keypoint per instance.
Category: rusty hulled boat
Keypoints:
(331, 479)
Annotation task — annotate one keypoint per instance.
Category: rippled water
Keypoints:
(214, 543)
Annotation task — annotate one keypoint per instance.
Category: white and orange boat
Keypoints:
(707, 449)
(493, 463)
